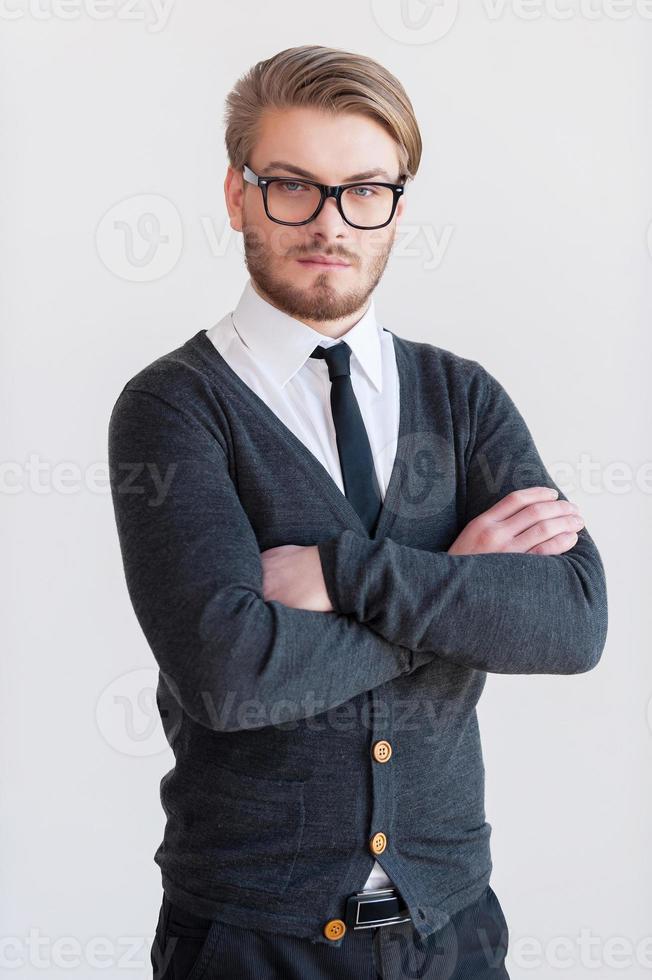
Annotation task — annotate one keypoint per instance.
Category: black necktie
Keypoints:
(358, 472)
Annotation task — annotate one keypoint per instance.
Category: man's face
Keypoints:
(331, 148)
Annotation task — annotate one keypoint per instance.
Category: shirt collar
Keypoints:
(283, 344)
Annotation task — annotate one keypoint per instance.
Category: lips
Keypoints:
(320, 260)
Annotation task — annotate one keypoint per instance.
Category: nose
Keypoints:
(329, 221)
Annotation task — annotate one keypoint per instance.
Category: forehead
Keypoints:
(332, 146)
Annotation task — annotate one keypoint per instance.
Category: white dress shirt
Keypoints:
(270, 351)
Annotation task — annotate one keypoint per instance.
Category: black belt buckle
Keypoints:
(379, 907)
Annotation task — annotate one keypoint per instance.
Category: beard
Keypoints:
(319, 301)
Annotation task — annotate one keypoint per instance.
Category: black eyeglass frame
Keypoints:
(325, 190)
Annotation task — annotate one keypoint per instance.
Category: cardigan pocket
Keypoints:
(236, 831)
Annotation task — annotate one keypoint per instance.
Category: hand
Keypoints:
(526, 521)
(292, 574)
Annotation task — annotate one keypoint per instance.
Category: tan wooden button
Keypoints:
(334, 929)
(378, 843)
(382, 751)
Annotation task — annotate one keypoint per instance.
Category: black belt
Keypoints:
(380, 907)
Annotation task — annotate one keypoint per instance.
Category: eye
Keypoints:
(291, 186)
(366, 191)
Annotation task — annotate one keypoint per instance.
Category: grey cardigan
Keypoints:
(272, 712)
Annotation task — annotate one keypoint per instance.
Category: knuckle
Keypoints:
(487, 534)
(546, 548)
(566, 540)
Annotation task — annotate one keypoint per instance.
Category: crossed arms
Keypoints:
(233, 658)
(521, 590)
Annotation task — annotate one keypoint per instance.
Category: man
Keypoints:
(330, 534)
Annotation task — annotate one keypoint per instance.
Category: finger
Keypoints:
(545, 529)
(515, 501)
(281, 549)
(538, 512)
(555, 546)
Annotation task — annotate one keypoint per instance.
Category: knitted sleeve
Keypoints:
(194, 577)
(502, 612)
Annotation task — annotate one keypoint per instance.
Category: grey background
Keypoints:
(525, 244)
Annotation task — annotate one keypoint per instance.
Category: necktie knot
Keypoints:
(337, 357)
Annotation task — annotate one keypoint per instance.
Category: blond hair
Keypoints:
(324, 78)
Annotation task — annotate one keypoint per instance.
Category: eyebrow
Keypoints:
(291, 168)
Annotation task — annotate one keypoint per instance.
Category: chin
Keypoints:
(334, 281)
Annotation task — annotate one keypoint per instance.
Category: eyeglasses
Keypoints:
(296, 202)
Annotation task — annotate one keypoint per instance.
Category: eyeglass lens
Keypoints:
(362, 204)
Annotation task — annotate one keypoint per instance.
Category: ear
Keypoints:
(234, 195)
(400, 207)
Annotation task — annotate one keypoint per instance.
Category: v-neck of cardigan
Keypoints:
(314, 466)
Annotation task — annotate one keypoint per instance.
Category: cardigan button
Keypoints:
(378, 843)
(334, 929)
(382, 751)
